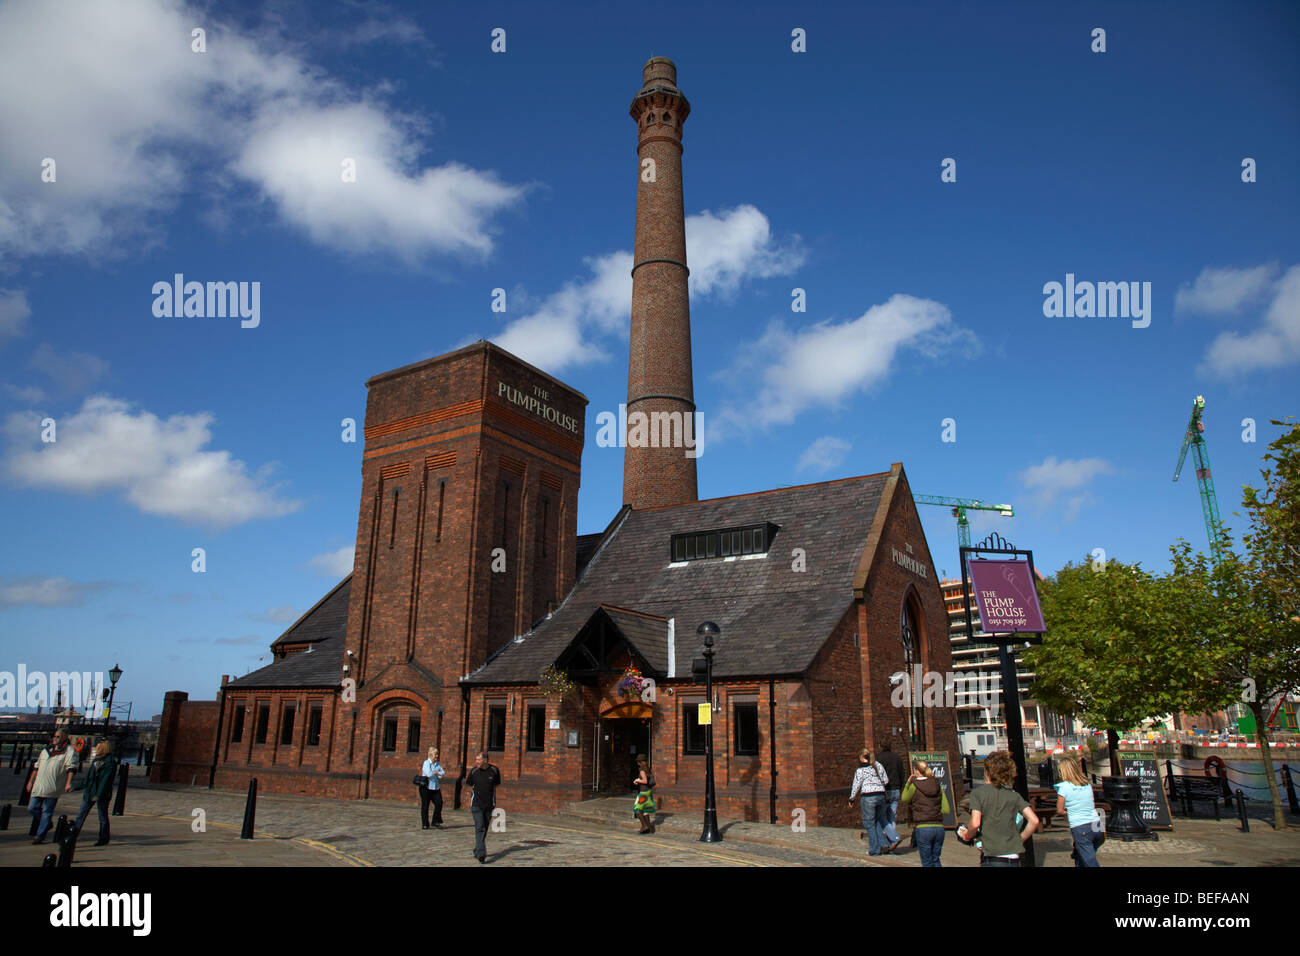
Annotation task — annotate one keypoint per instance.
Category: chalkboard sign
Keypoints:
(1153, 808)
(938, 761)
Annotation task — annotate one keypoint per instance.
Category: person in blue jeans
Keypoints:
(52, 776)
(1074, 798)
(929, 804)
(893, 765)
(869, 782)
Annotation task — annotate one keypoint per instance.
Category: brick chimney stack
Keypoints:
(659, 361)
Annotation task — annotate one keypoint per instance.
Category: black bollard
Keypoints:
(4, 816)
(1290, 789)
(25, 798)
(13, 755)
(1241, 811)
(61, 828)
(1170, 789)
(50, 862)
(67, 846)
(1083, 764)
(250, 811)
(139, 757)
(119, 804)
(36, 825)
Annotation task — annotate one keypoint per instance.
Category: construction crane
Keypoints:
(1195, 440)
(959, 508)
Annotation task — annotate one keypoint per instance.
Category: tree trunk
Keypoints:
(1112, 742)
(1261, 734)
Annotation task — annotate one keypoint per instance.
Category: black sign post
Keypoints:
(995, 544)
(1153, 807)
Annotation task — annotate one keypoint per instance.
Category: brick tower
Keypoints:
(656, 468)
(466, 536)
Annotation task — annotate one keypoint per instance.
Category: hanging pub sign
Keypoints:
(1005, 597)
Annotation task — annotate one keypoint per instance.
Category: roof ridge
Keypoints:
(769, 491)
(311, 610)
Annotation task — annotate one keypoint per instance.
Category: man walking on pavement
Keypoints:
(55, 767)
(485, 779)
(893, 765)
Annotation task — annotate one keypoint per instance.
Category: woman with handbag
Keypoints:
(644, 806)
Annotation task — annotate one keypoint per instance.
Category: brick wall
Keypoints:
(186, 738)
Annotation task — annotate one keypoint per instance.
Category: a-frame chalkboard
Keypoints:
(938, 761)
(1153, 809)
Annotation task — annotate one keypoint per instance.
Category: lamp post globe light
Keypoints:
(708, 631)
(113, 677)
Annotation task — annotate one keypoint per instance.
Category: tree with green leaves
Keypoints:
(1110, 656)
(1244, 610)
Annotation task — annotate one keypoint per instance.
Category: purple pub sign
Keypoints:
(1006, 598)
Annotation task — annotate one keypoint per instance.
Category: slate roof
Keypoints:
(324, 627)
(774, 620)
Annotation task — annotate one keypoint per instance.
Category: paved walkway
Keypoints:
(158, 830)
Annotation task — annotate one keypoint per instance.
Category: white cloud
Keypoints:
(735, 246)
(295, 155)
(1055, 478)
(72, 372)
(131, 116)
(723, 251)
(285, 614)
(160, 466)
(28, 394)
(824, 454)
(334, 564)
(1274, 343)
(46, 591)
(825, 363)
(1223, 291)
(14, 310)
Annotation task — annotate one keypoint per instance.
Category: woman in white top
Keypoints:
(433, 770)
(869, 781)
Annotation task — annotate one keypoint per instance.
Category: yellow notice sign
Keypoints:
(706, 715)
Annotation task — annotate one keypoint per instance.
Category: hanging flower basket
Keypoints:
(631, 684)
(554, 682)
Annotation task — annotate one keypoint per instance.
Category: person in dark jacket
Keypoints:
(98, 789)
(929, 804)
(893, 765)
(485, 779)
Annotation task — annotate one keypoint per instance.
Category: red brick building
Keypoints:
(470, 581)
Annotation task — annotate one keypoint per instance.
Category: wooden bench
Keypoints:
(1187, 788)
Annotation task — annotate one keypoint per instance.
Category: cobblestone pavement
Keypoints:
(302, 831)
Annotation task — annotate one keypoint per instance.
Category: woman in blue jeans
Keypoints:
(1074, 797)
(869, 781)
(929, 804)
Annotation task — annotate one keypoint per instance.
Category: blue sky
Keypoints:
(477, 170)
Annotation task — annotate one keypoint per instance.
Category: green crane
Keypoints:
(959, 508)
(1195, 440)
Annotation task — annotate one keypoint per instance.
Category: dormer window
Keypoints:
(723, 543)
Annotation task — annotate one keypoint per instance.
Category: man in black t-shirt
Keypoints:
(893, 765)
(485, 779)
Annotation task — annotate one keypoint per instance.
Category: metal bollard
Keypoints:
(36, 825)
(4, 816)
(49, 862)
(1241, 811)
(1290, 789)
(119, 803)
(13, 755)
(67, 846)
(61, 828)
(25, 798)
(139, 757)
(250, 811)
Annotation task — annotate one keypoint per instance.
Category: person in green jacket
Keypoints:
(929, 804)
(98, 787)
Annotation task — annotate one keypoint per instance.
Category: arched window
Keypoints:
(913, 640)
(650, 120)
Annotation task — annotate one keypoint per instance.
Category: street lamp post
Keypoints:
(113, 677)
(708, 630)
